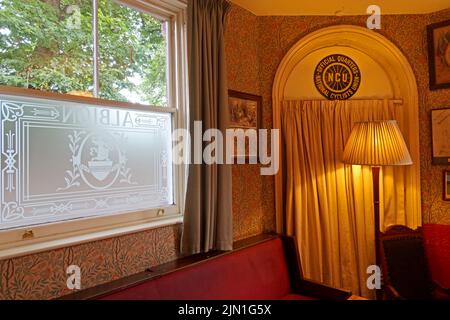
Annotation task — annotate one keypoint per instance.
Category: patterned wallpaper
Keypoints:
(435, 210)
(253, 195)
(255, 47)
(43, 275)
(276, 35)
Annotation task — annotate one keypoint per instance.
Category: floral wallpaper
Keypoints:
(276, 35)
(43, 275)
(253, 195)
(255, 46)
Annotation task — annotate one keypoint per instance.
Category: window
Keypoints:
(49, 45)
(93, 151)
(133, 52)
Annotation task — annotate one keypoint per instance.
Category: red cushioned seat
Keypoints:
(255, 273)
(293, 296)
(437, 247)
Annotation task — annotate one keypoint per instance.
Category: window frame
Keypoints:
(44, 237)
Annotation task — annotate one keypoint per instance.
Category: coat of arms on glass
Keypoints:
(63, 160)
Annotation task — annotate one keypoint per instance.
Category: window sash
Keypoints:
(44, 237)
(30, 239)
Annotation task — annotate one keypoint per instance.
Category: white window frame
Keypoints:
(33, 239)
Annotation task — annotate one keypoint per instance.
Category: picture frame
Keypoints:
(446, 194)
(440, 128)
(245, 113)
(438, 35)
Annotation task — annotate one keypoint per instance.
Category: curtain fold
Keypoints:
(329, 205)
(208, 213)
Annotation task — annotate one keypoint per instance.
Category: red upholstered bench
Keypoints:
(437, 247)
(262, 269)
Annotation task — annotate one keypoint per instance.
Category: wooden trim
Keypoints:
(164, 269)
(39, 94)
(322, 291)
(293, 262)
(301, 285)
(44, 239)
(431, 55)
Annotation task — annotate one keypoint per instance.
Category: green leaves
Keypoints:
(39, 48)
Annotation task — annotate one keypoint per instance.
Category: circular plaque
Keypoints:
(337, 77)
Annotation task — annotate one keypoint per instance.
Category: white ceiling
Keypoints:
(340, 7)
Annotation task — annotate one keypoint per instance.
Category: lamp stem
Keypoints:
(376, 207)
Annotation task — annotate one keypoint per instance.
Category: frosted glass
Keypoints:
(63, 160)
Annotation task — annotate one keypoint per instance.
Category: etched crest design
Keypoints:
(97, 160)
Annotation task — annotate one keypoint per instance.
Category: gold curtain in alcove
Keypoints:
(329, 205)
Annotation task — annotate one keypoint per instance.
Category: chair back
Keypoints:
(404, 263)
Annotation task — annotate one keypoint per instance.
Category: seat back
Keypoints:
(437, 247)
(404, 263)
(258, 272)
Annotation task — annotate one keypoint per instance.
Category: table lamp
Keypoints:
(376, 144)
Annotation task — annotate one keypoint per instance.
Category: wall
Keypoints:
(276, 35)
(254, 47)
(435, 210)
(253, 198)
(43, 275)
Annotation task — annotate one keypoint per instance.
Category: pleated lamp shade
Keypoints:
(377, 143)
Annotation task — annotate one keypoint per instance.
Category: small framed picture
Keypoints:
(440, 125)
(439, 54)
(447, 185)
(245, 114)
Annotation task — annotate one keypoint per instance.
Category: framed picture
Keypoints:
(447, 185)
(440, 124)
(245, 114)
(439, 54)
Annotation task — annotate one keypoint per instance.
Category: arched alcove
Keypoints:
(375, 81)
(386, 73)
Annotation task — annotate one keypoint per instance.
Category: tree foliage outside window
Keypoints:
(48, 45)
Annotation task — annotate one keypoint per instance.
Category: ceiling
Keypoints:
(339, 7)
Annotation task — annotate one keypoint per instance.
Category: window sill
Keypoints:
(26, 247)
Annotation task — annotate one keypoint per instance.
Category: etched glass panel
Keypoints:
(47, 45)
(63, 160)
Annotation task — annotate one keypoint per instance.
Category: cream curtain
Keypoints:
(329, 205)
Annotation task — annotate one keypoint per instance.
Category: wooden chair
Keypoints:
(405, 267)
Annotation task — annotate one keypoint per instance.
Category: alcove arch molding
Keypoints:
(401, 78)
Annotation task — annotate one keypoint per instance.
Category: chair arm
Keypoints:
(441, 289)
(322, 291)
(392, 293)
